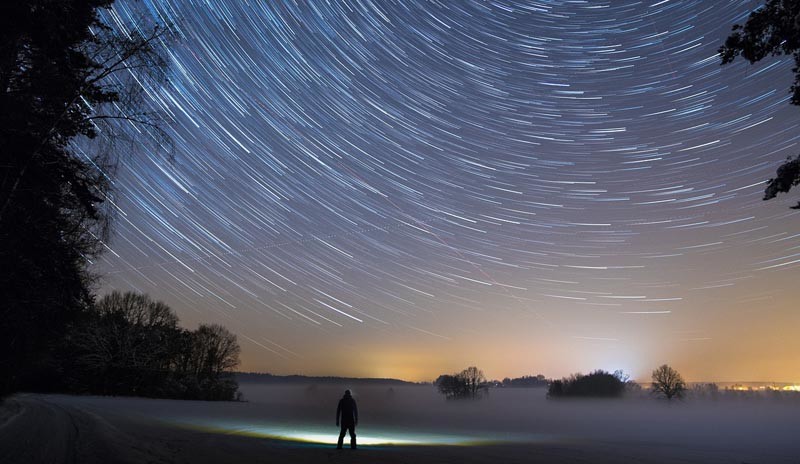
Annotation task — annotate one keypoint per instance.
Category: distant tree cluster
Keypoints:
(595, 384)
(128, 344)
(469, 383)
(526, 381)
(705, 390)
(666, 383)
(266, 378)
(712, 391)
(763, 392)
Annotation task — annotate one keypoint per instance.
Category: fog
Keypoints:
(420, 415)
(520, 424)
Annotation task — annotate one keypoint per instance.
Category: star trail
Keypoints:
(401, 189)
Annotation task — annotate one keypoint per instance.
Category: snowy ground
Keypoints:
(403, 424)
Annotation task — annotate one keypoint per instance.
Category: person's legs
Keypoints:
(352, 430)
(341, 436)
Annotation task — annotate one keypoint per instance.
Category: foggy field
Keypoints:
(295, 423)
(526, 415)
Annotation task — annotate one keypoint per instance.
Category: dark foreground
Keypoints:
(66, 429)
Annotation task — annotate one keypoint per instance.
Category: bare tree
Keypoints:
(474, 380)
(214, 353)
(469, 383)
(668, 382)
(216, 350)
(131, 344)
(127, 335)
(137, 309)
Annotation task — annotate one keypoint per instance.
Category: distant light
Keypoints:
(787, 388)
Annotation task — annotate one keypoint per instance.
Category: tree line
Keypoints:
(472, 384)
(129, 344)
(66, 77)
(666, 382)
(526, 381)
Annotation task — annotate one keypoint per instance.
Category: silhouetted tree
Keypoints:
(451, 386)
(126, 344)
(64, 75)
(595, 384)
(469, 383)
(215, 353)
(631, 387)
(129, 344)
(556, 388)
(526, 381)
(787, 176)
(773, 29)
(473, 380)
(668, 382)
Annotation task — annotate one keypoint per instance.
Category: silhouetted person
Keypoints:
(348, 411)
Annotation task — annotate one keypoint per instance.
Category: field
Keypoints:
(295, 423)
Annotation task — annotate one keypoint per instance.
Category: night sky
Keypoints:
(403, 189)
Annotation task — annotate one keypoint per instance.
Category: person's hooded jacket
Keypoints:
(347, 410)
